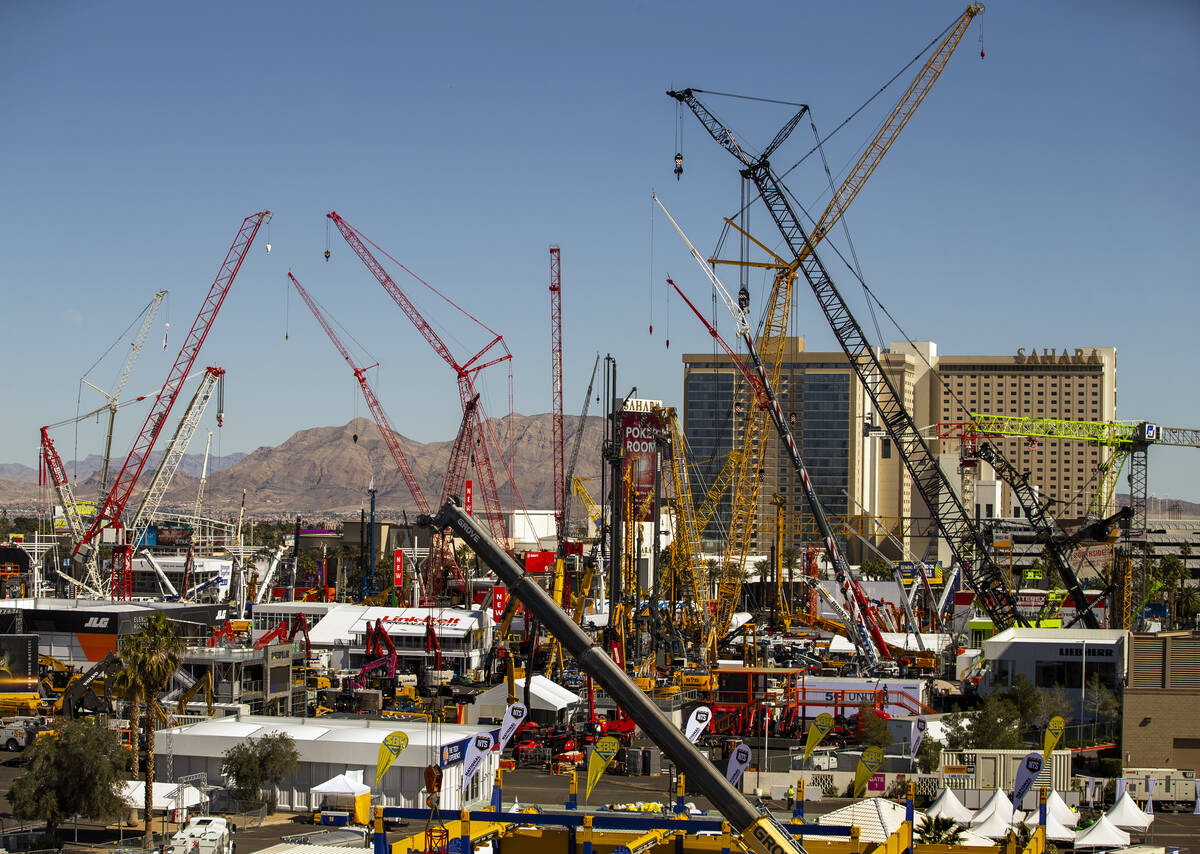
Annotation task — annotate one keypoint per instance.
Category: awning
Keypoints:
(340, 785)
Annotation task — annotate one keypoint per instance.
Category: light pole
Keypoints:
(768, 705)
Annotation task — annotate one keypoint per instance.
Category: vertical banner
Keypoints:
(1150, 783)
(603, 753)
(1196, 809)
(870, 762)
(739, 761)
(499, 600)
(641, 424)
(514, 716)
(478, 747)
(819, 729)
(398, 570)
(391, 747)
(1030, 767)
(1121, 784)
(918, 735)
(468, 497)
(697, 722)
(1091, 793)
(1054, 731)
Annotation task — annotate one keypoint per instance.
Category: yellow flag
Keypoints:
(1054, 731)
(868, 764)
(603, 753)
(392, 746)
(819, 729)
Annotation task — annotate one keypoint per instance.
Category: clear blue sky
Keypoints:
(1044, 196)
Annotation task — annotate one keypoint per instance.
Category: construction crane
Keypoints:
(464, 371)
(203, 482)
(390, 437)
(109, 513)
(956, 525)
(557, 451)
(51, 468)
(569, 477)
(170, 461)
(868, 637)
(771, 337)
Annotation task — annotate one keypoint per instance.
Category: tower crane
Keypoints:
(169, 463)
(51, 468)
(381, 420)
(464, 371)
(867, 637)
(747, 482)
(962, 535)
(569, 477)
(109, 513)
(556, 404)
(203, 483)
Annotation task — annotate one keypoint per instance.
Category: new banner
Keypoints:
(1054, 731)
(918, 735)
(868, 764)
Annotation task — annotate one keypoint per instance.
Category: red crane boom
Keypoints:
(122, 487)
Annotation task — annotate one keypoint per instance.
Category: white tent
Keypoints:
(340, 785)
(163, 796)
(993, 826)
(999, 804)
(1102, 834)
(1057, 807)
(948, 805)
(1126, 813)
(548, 700)
(1056, 831)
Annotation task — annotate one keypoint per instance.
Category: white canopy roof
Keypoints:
(993, 825)
(948, 805)
(1102, 834)
(999, 804)
(1055, 829)
(545, 694)
(133, 792)
(340, 785)
(1125, 813)
(1057, 807)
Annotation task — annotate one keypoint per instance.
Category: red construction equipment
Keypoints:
(282, 631)
(379, 645)
(225, 633)
(114, 502)
(465, 372)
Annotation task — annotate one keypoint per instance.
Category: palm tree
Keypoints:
(939, 830)
(126, 685)
(156, 656)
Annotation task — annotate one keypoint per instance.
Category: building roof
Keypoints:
(346, 624)
(544, 694)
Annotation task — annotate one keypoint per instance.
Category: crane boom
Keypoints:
(556, 391)
(203, 483)
(122, 488)
(956, 525)
(569, 477)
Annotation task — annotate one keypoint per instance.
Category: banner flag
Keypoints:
(1054, 731)
(697, 723)
(1030, 767)
(918, 735)
(479, 747)
(603, 753)
(819, 729)
(868, 764)
(739, 761)
(514, 715)
(391, 747)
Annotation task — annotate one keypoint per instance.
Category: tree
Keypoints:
(1024, 696)
(873, 730)
(1053, 702)
(270, 759)
(1103, 703)
(929, 755)
(155, 655)
(939, 830)
(1171, 571)
(127, 683)
(75, 772)
(876, 569)
(996, 725)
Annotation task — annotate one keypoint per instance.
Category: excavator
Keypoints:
(79, 696)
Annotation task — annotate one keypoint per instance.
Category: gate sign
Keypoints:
(697, 723)
(1031, 766)
(1054, 731)
(739, 761)
(398, 570)
(391, 747)
(479, 747)
(868, 764)
(603, 753)
(819, 729)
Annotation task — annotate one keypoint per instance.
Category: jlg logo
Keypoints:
(96, 623)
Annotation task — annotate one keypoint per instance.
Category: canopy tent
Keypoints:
(164, 796)
(1102, 834)
(549, 701)
(342, 791)
(993, 826)
(948, 805)
(878, 819)
(1126, 814)
(341, 785)
(1056, 831)
(1057, 807)
(999, 804)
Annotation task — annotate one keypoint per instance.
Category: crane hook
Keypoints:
(327, 254)
(678, 165)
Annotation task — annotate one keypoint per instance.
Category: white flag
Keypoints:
(918, 735)
(514, 716)
(1150, 781)
(1121, 785)
(1091, 792)
(697, 723)
(477, 748)
(1030, 767)
(739, 761)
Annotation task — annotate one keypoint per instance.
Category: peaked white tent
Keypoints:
(341, 785)
(1000, 804)
(947, 805)
(1057, 807)
(1126, 813)
(344, 791)
(993, 826)
(166, 796)
(1056, 831)
(1102, 834)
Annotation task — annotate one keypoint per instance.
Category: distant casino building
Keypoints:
(850, 459)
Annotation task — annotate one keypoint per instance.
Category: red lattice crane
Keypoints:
(465, 372)
(118, 495)
(556, 390)
(390, 438)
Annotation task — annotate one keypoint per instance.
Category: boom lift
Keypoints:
(760, 833)
(284, 634)
(118, 496)
(379, 645)
(955, 524)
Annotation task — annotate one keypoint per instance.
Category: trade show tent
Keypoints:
(343, 793)
(1102, 834)
(1126, 814)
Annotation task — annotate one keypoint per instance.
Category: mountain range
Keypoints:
(324, 472)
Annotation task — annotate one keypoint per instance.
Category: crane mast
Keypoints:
(493, 512)
(122, 488)
(203, 483)
(556, 390)
(931, 482)
(569, 477)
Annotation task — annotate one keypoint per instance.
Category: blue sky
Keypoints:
(1044, 196)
